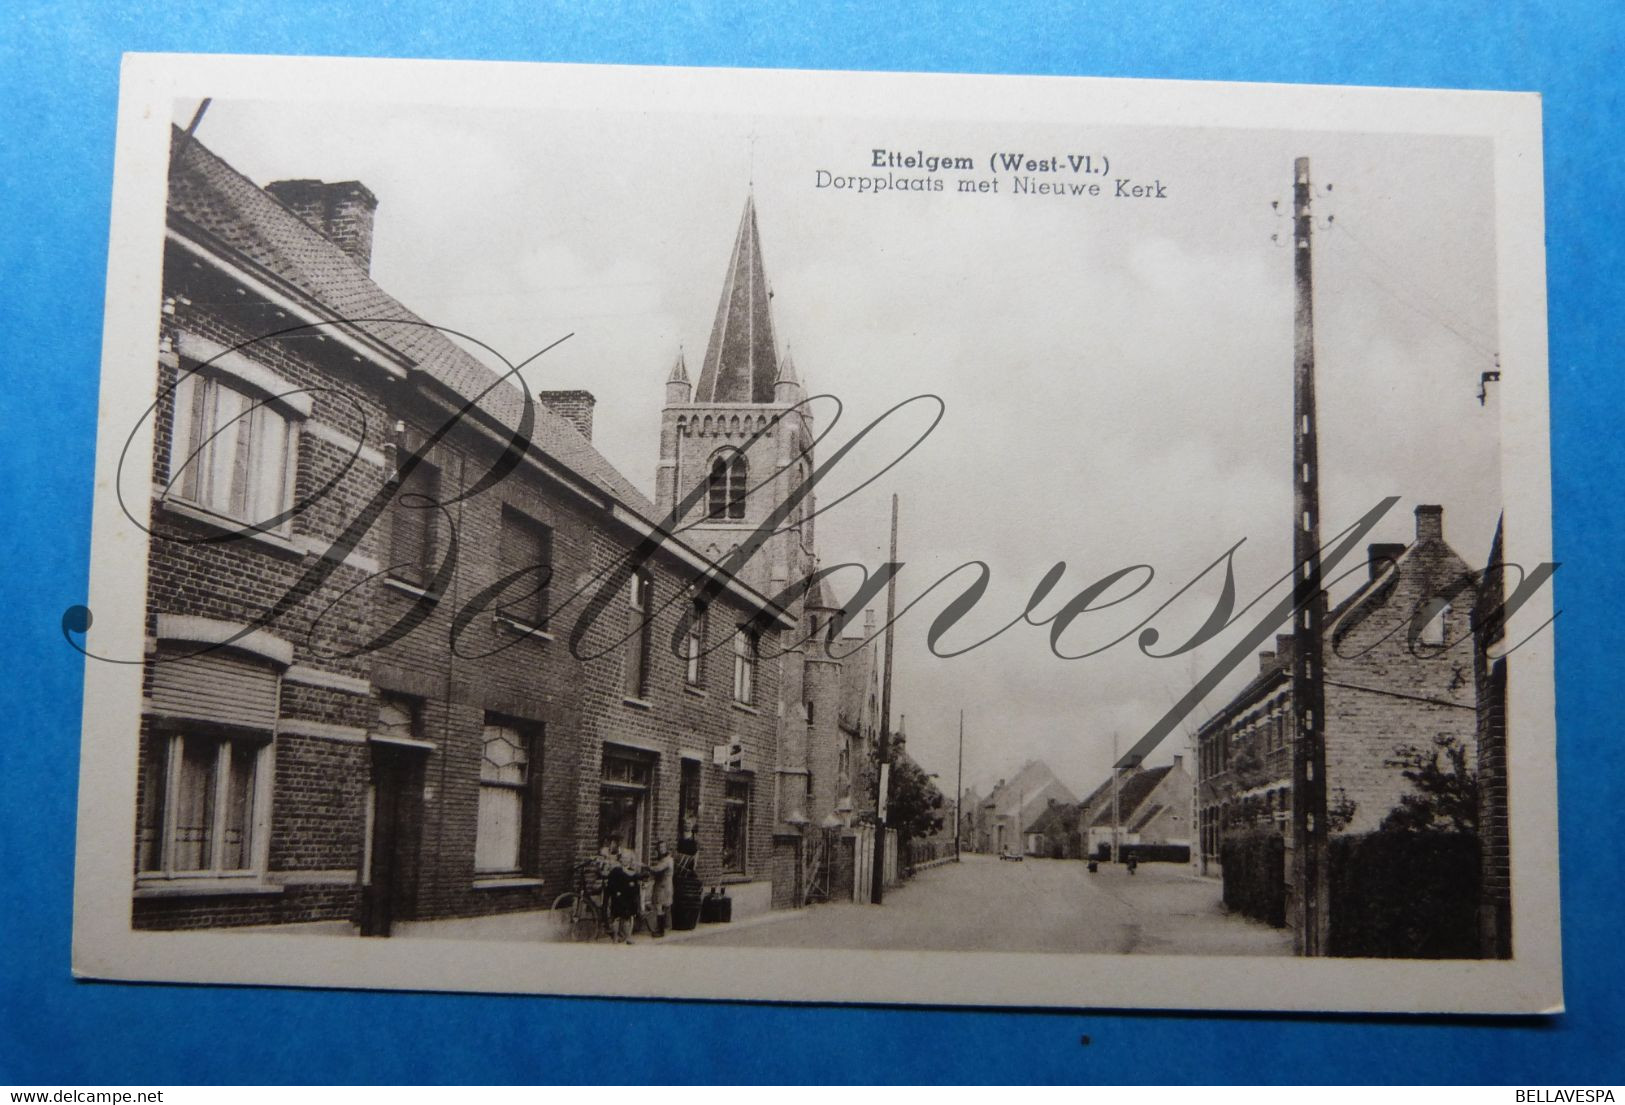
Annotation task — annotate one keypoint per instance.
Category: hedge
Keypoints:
(1405, 895)
(1255, 876)
(1144, 853)
(1155, 853)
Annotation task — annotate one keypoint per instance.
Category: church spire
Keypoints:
(787, 388)
(741, 359)
(678, 389)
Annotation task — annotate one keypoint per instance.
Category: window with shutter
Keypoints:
(412, 525)
(526, 559)
(204, 766)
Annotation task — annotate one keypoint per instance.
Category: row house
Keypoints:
(1386, 689)
(415, 646)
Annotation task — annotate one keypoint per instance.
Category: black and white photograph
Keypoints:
(834, 537)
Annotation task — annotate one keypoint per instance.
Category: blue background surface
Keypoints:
(58, 90)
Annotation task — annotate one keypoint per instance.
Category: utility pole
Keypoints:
(959, 791)
(1309, 852)
(1117, 774)
(878, 875)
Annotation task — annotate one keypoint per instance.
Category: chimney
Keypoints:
(869, 631)
(1283, 648)
(573, 406)
(342, 211)
(1266, 663)
(1382, 555)
(1429, 523)
(1179, 763)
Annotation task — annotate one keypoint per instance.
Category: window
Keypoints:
(1433, 630)
(198, 804)
(726, 486)
(397, 718)
(231, 453)
(735, 825)
(623, 800)
(639, 594)
(504, 787)
(746, 648)
(412, 525)
(204, 765)
(688, 800)
(527, 547)
(694, 647)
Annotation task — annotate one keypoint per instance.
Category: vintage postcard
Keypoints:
(832, 537)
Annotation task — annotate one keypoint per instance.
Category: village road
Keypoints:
(1038, 905)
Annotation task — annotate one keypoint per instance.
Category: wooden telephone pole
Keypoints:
(959, 794)
(883, 757)
(1309, 851)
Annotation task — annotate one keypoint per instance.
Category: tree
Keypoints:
(1446, 798)
(913, 802)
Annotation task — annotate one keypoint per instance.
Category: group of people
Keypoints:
(625, 877)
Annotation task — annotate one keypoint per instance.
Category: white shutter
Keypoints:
(216, 687)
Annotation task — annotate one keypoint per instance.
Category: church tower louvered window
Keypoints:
(726, 487)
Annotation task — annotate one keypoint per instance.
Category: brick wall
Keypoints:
(573, 707)
(1383, 694)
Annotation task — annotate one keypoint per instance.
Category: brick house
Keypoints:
(1381, 694)
(415, 646)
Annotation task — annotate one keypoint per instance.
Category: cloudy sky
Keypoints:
(1116, 372)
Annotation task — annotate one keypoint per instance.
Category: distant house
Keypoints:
(1013, 807)
(1153, 807)
(970, 804)
(1058, 833)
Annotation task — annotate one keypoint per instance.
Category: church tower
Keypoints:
(739, 435)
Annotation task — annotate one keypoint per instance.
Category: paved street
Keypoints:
(1038, 905)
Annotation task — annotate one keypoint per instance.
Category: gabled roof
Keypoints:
(742, 360)
(215, 204)
(1131, 793)
(1058, 815)
(1146, 816)
(1033, 786)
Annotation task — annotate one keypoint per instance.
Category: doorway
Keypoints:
(395, 818)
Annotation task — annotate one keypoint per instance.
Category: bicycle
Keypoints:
(588, 916)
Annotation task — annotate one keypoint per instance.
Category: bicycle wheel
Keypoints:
(565, 909)
(587, 921)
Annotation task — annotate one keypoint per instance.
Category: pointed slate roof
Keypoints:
(679, 372)
(741, 360)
